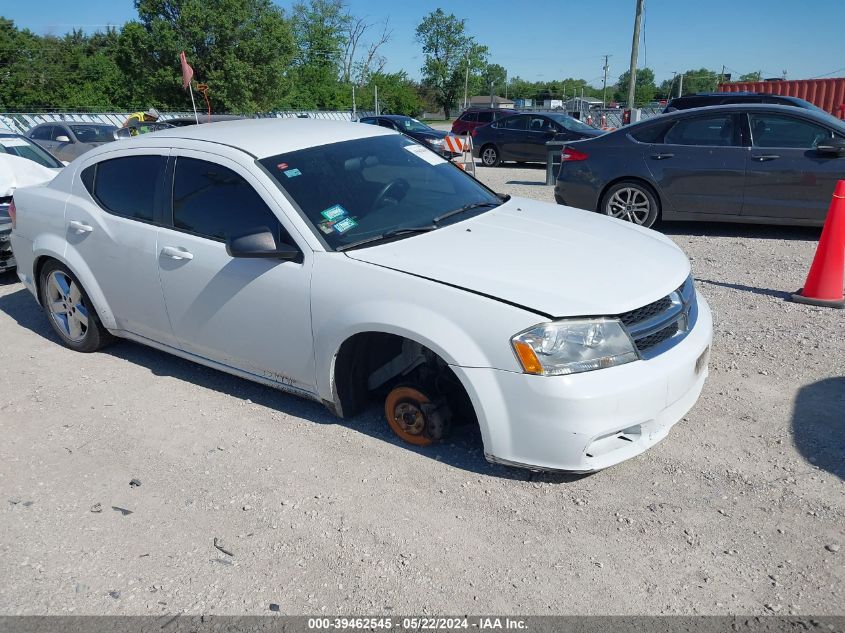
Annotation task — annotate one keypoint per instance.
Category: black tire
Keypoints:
(633, 201)
(490, 157)
(74, 307)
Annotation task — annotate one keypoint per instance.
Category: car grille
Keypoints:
(661, 321)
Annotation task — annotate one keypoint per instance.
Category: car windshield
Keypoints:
(411, 125)
(93, 133)
(570, 123)
(19, 146)
(362, 190)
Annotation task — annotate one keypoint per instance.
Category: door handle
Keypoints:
(80, 227)
(762, 158)
(662, 156)
(174, 252)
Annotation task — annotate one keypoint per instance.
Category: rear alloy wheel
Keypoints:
(631, 201)
(413, 417)
(70, 311)
(490, 156)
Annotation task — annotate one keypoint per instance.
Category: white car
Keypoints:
(347, 263)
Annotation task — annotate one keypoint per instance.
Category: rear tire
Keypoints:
(490, 156)
(632, 201)
(69, 310)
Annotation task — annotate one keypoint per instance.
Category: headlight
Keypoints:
(434, 141)
(573, 346)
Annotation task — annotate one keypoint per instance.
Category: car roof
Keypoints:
(392, 116)
(266, 137)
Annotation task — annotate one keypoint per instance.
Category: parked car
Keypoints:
(181, 121)
(360, 265)
(136, 128)
(68, 139)
(417, 130)
(704, 99)
(476, 117)
(523, 137)
(19, 145)
(736, 163)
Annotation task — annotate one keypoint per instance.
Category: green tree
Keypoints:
(644, 90)
(494, 76)
(397, 94)
(319, 28)
(701, 80)
(757, 75)
(241, 48)
(449, 54)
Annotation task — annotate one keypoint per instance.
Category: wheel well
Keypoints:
(637, 180)
(372, 356)
(40, 262)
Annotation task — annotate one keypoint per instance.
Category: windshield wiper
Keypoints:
(469, 207)
(387, 235)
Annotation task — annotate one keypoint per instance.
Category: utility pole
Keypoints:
(466, 82)
(635, 49)
(377, 111)
(681, 86)
(722, 76)
(604, 85)
(353, 102)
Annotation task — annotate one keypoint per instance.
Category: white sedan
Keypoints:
(346, 263)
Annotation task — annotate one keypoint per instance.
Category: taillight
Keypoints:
(474, 131)
(567, 154)
(13, 213)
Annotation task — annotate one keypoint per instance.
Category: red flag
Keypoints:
(187, 71)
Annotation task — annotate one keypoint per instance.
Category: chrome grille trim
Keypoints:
(662, 324)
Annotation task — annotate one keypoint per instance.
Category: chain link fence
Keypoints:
(22, 122)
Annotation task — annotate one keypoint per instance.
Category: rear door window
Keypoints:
(712, 131)
(127, 186)
(519, 123)
(212, 201)
(485, 117)
(470, 116)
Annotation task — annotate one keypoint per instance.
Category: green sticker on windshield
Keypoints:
(334, 213)
(342, 226)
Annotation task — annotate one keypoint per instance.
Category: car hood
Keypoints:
(554, 260)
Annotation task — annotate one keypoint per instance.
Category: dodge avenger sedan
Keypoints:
(349, 264)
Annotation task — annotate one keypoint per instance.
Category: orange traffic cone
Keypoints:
(825, 281)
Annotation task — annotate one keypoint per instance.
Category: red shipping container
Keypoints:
(827, 94)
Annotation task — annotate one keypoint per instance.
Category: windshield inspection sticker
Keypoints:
(290, 173)
(342, 226)
(326, 226)
(334, 213)
(426, 154)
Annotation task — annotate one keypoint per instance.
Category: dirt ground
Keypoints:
(739, 511)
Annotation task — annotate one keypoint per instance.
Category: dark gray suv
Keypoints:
(736, 163)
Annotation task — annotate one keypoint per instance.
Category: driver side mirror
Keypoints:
(831, 147)
(62, 139)
(259, 243)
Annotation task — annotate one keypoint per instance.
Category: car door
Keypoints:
(111, 218)
(43, 135)
(510, 133)
(700, 165)
(540, 131)
(66, 147)
(250, 314)
(787, 177)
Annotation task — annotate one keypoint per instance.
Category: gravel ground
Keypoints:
(739, 511)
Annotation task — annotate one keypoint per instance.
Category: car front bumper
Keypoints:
(7, 257)
(589, 421)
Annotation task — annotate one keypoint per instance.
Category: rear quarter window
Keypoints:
(650, 133)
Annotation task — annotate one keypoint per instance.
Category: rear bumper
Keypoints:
(587, 422)
(577, 187)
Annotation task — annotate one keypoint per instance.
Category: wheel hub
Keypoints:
(409, 417)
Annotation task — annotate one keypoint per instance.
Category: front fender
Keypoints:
(351, 297)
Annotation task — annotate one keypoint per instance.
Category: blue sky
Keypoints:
(552, 39)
